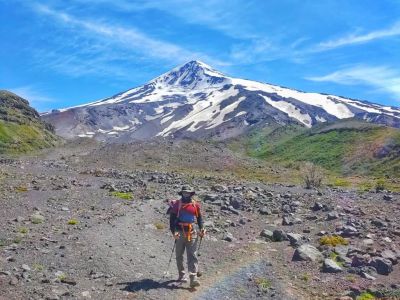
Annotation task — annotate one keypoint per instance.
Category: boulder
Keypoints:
(382, 265)
(307, 252)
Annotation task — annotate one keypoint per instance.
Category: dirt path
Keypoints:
(136, 254)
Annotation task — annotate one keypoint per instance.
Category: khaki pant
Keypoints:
(191, 246)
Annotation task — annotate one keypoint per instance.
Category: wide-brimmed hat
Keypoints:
(186, 189)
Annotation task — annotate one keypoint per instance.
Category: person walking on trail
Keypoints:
(183, 215)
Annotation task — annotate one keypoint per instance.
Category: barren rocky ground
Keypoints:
(88, 221)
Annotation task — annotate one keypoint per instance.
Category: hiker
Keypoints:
(183, 215)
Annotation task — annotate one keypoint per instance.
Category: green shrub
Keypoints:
(305, 277)
(18, 239)
(21, 189)
(73, 222)
(38, 267)
(365, 296)
(380, 184)
(61, 277)
(341, 182)
(312, 175)
(23, 230)
(123, 195)
(351, 278)
(334, 257)
(159, 225)
(263, 283)
(37, 219)
(333, 240)
(3, 242)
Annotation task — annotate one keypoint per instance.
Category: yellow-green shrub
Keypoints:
(333, 240)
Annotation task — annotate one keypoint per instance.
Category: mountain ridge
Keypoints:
(194, 100)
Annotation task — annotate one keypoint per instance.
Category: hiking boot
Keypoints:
(193, 281)
(182, 277)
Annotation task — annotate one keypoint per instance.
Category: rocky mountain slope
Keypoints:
(21, 128)
(194, 100)
(82, 222)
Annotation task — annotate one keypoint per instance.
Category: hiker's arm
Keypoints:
(172, 221)
(200, 219)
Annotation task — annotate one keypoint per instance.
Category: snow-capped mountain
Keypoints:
(194, 100)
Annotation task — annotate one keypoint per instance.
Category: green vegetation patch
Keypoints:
(123, 195)
(160, 225)
(333, 240)
(73, 222)
(366, 296)
(343, 148)
(263, 284)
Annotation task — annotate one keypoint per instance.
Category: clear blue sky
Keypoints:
(61, 53)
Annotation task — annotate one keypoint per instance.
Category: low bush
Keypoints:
(333, 240)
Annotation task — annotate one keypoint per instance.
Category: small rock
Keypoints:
(330, 266)
(228, 237)
(286, 221)
(236, 202)
(109, 283)
(219, 188)
(279, 235)
(390, 255)
(265, 211)
(19, 219)
(367, 276)
(68, 281)
(379, 223)
(211, 197)
(267, 234)
(317, 206)
(295, 239)
(387, 197)
(26, 268)
(332, 216)
(368, 242)
(13, 280)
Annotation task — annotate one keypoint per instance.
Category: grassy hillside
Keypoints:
(21, 129)
(344, 148)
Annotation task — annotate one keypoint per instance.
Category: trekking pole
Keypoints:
(198, 249)
(170, 259)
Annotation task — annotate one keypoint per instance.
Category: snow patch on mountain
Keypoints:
(291, 110)
(203, 111)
